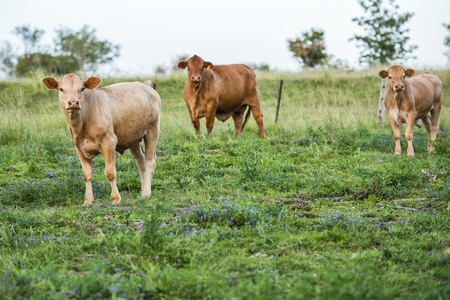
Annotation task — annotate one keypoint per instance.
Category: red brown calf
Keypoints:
(114, 118)
(221, 92)
(411, 100)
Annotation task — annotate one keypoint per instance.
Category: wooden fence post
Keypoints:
(279, 100)
(381, 107)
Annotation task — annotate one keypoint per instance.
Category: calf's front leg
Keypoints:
(396, 131)
(410, 121)
(210, 115)
(194, 119)
(196, 124)
(110, 171)
(86, 165)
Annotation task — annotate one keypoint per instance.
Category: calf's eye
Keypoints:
(61, 90)
(82, 89)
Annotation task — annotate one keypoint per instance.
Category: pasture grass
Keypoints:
(320, 209)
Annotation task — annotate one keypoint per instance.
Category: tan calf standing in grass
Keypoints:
(221, 92)
(411, 100)
(114, 118)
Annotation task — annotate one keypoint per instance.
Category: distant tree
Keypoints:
(59, 64)
(385, 38)
(85, 47)
(447, 41)
(309, 49)
(177, 60)
(339, 64)
(30, 37)
(160, 70)
(259, 67)
(7, 59)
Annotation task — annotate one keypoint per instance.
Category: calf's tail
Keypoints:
(246, 117)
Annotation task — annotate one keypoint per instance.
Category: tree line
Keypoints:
(74, 51)
(384, 41)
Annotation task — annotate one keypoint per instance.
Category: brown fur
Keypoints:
(411, 100)
(114, 118)
(220, 92)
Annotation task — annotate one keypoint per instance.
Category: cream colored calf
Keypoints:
(114, 118)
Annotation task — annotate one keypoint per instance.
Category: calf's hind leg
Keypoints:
(150, 139)
(237, 118)
(427, 123)
(138, 153)
(257, 114)
(435, 120)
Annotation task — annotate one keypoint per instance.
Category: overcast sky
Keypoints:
(153, 33)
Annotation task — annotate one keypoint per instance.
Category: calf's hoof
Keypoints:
(431, 150)
(88, 203)
(116, 201)
(147, 194)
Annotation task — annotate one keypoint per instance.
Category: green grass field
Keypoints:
(321, 209)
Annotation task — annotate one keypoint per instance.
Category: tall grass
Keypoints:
(346, 100)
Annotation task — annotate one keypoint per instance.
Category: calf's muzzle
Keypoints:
(73, 104)
(196, 78)
(399, 87)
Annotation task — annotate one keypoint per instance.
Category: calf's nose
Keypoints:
(399, 87)
(73, 104)
(196, 78)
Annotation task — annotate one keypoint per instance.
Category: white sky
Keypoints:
(153, 33)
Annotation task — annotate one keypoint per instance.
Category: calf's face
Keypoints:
(71, 90)
(196, 66)
(396, 77)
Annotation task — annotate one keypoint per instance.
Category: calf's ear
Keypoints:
(182, 65)
(208, 65)
(92, 82)
(50, 83)
(410, 72)
(383, 74)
